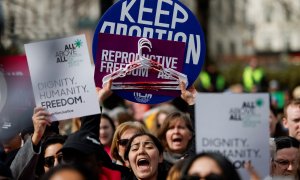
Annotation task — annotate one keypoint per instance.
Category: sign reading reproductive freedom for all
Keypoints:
(235, 125)
(62, 77)
(174, 32)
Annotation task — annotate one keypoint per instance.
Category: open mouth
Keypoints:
(143, 163)
(177, 140)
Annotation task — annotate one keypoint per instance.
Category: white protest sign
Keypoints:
(62, 77)
(235, 125)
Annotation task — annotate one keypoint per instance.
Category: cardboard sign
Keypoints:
(235, 125)
(62, 77)
(168, 21)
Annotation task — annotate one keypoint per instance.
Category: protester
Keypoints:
(10, 139)
(159, 119)
(285, 157)
(175, 171)
(176, 135)
(11, 147)
(24, 164)
(69, 172)
(156, 115)
(83, 147)
(272, 122)
(278, 96)
(291, 119)
(121, 137)
(275, 126)
(106, 133)
(209, 165)
(49, 156)
(144, 153)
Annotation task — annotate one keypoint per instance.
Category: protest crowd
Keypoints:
(132, 141)
(129, 141)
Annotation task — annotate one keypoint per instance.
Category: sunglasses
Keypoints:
(210, 176)
(50, 160)
(123, 142)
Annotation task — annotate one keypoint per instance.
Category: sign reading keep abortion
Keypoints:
(166, 20)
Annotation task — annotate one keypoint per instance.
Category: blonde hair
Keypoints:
(175, 171)
(118, 133)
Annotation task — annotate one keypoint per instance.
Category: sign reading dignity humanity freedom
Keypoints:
(239, 130)
(177, 43)
(62, 77)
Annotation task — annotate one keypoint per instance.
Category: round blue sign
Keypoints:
(166, 24)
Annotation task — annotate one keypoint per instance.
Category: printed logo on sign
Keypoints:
(246, 113)
(139, 97)
(69, 54)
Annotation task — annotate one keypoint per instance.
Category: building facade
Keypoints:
(33, 20)
(251, 27)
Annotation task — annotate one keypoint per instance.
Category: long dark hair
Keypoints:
(228, 170)
(162, 169)
(156, 142)
(110, 120)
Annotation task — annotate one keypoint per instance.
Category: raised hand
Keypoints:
(188, 95)
(40, 119)
(104, 92)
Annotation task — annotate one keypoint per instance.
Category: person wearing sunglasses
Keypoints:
(121, 138)
(29, 163)
(209, 166)
(49, 153)
(25, 162)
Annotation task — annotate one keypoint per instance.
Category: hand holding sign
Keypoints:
(104, 92)
(175, 46)
(62, 77)
(188, 95)
(40, 119)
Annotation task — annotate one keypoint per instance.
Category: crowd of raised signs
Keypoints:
(134, 141)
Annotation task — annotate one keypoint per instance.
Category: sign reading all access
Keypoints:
(174, 32)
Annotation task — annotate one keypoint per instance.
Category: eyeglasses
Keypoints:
(49, 161)
(285, 163)
(123, 142)
(211, 176)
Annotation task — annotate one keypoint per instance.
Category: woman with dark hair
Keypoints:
(144, 153)
(48, 157)
(209, 165)
(106, 132)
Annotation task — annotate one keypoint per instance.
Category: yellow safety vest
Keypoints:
(251, 77)
(205, 81)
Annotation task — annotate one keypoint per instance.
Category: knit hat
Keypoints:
(82, 141)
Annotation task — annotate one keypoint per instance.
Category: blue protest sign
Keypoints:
(165, 20)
